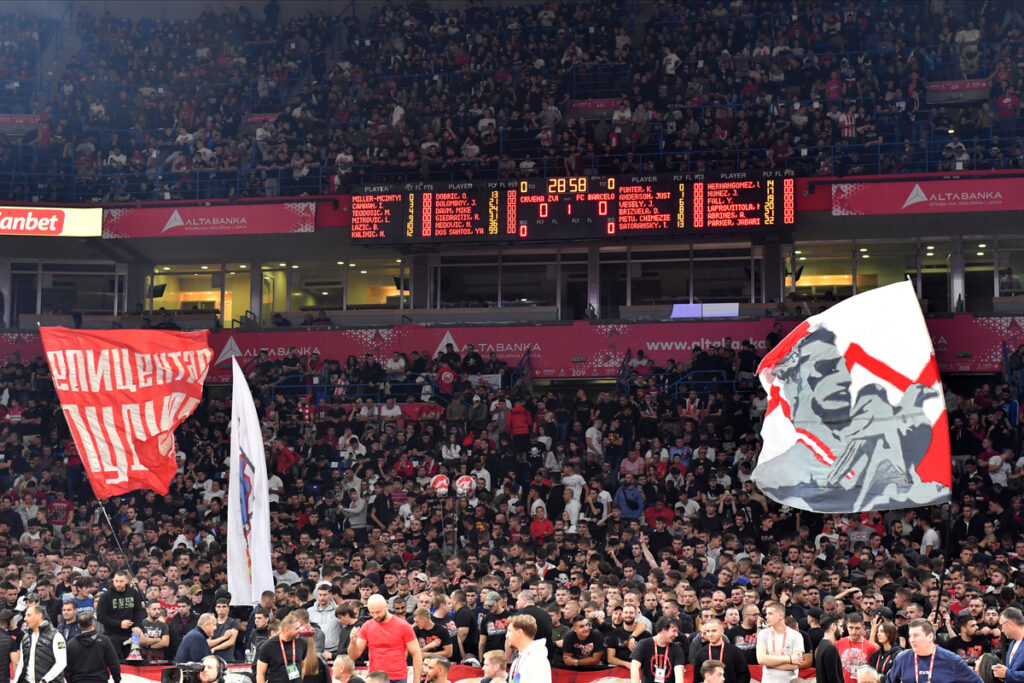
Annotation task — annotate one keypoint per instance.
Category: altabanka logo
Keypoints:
(916, 195)
(173, 222)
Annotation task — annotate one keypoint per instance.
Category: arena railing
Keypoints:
(840, 160)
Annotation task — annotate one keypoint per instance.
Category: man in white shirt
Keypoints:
(572, 480)
(595, 439)
(780, 649)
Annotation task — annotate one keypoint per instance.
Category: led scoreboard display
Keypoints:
(579, 208)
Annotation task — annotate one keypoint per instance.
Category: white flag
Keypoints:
(249, 571)
(856, 418)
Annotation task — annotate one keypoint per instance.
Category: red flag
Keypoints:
(123, 393)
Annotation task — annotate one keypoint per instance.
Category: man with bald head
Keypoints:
(389, 638)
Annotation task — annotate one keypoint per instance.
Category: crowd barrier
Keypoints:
(153, 673)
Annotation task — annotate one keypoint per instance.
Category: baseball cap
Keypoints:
(476, 399)
(492, 597)
(32, 597)
(421, 577)
(306, 631)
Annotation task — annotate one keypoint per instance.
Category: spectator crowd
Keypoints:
(231, 104)
(599, 515)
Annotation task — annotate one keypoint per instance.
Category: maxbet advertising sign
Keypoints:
(41, 221)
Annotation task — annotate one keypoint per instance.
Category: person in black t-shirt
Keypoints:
(280, 658)
(433, 637)
(493, 625)
(744, 634)
(8, 647)
(583, 647)
(659, 659)
(465, 618)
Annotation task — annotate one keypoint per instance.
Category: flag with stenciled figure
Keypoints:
(856, 418)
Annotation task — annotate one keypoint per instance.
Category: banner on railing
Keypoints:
(941, 92)
(146, 674)
(220, 219)
(928, 196)
(962, 343)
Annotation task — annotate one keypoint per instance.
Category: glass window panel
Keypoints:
(721, 279)
(237, 288)
(935, 275)
(979, 287)
(182, 292)
(823, 271)
(78, 293)
(469, 286)
(661, 282)
(613, 287)
(23, 295)
(274, 295)
(528, 285)
(377, 287)
(1011, 270)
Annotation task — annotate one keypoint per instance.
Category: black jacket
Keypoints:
(91, 659)
(827, 664)
(112, 608)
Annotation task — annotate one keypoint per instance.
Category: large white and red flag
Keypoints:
(123, 393)
(856, 419)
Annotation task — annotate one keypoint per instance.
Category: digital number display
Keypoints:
(573, 208)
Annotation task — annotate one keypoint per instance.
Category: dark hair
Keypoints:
(828, 619)
(665, 623)
(86, 620)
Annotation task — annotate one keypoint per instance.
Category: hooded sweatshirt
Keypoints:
(90, 657)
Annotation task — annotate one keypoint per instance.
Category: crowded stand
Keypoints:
(323, 102)
(608, 516)
(598, 525)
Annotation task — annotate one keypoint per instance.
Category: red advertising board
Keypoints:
(963, 343)
(219, 219)
(928, 196)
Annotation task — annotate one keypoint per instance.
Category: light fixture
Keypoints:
(865, 255)
(341, 263)
(294, 266)
(167, 267)
(398, 260)
(243, 266)
(296, 293)
(231, 273)
(981, 253)
(863, 249)
(205, 267)
(363, 272)
(324, 293)
(798, 252)
(351, 265)
(982, 245)
(802, 258)
(930, 248)
(282, 264)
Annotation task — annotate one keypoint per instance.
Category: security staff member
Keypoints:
(91, 655)
(44, 654)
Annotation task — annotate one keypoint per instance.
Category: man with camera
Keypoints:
(91, 655)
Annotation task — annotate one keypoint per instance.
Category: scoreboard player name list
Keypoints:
(641, 208)
(371, 214)
(725, 208)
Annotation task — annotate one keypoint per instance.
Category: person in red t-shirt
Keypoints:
(389, 638)
(854, 649)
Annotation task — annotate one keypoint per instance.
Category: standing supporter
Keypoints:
(658, 658)
(779, 648)
(854, 649)
(120, 610)
(389, 639)
(926, 659)
(280, 658)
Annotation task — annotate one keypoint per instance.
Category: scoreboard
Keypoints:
(578, 208)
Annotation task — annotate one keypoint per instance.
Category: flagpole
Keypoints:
(128, 563)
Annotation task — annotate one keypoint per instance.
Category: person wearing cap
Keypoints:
(494, 624)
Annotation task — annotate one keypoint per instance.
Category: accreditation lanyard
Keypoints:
(283, 658)
(917, 671)
(783, 650)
